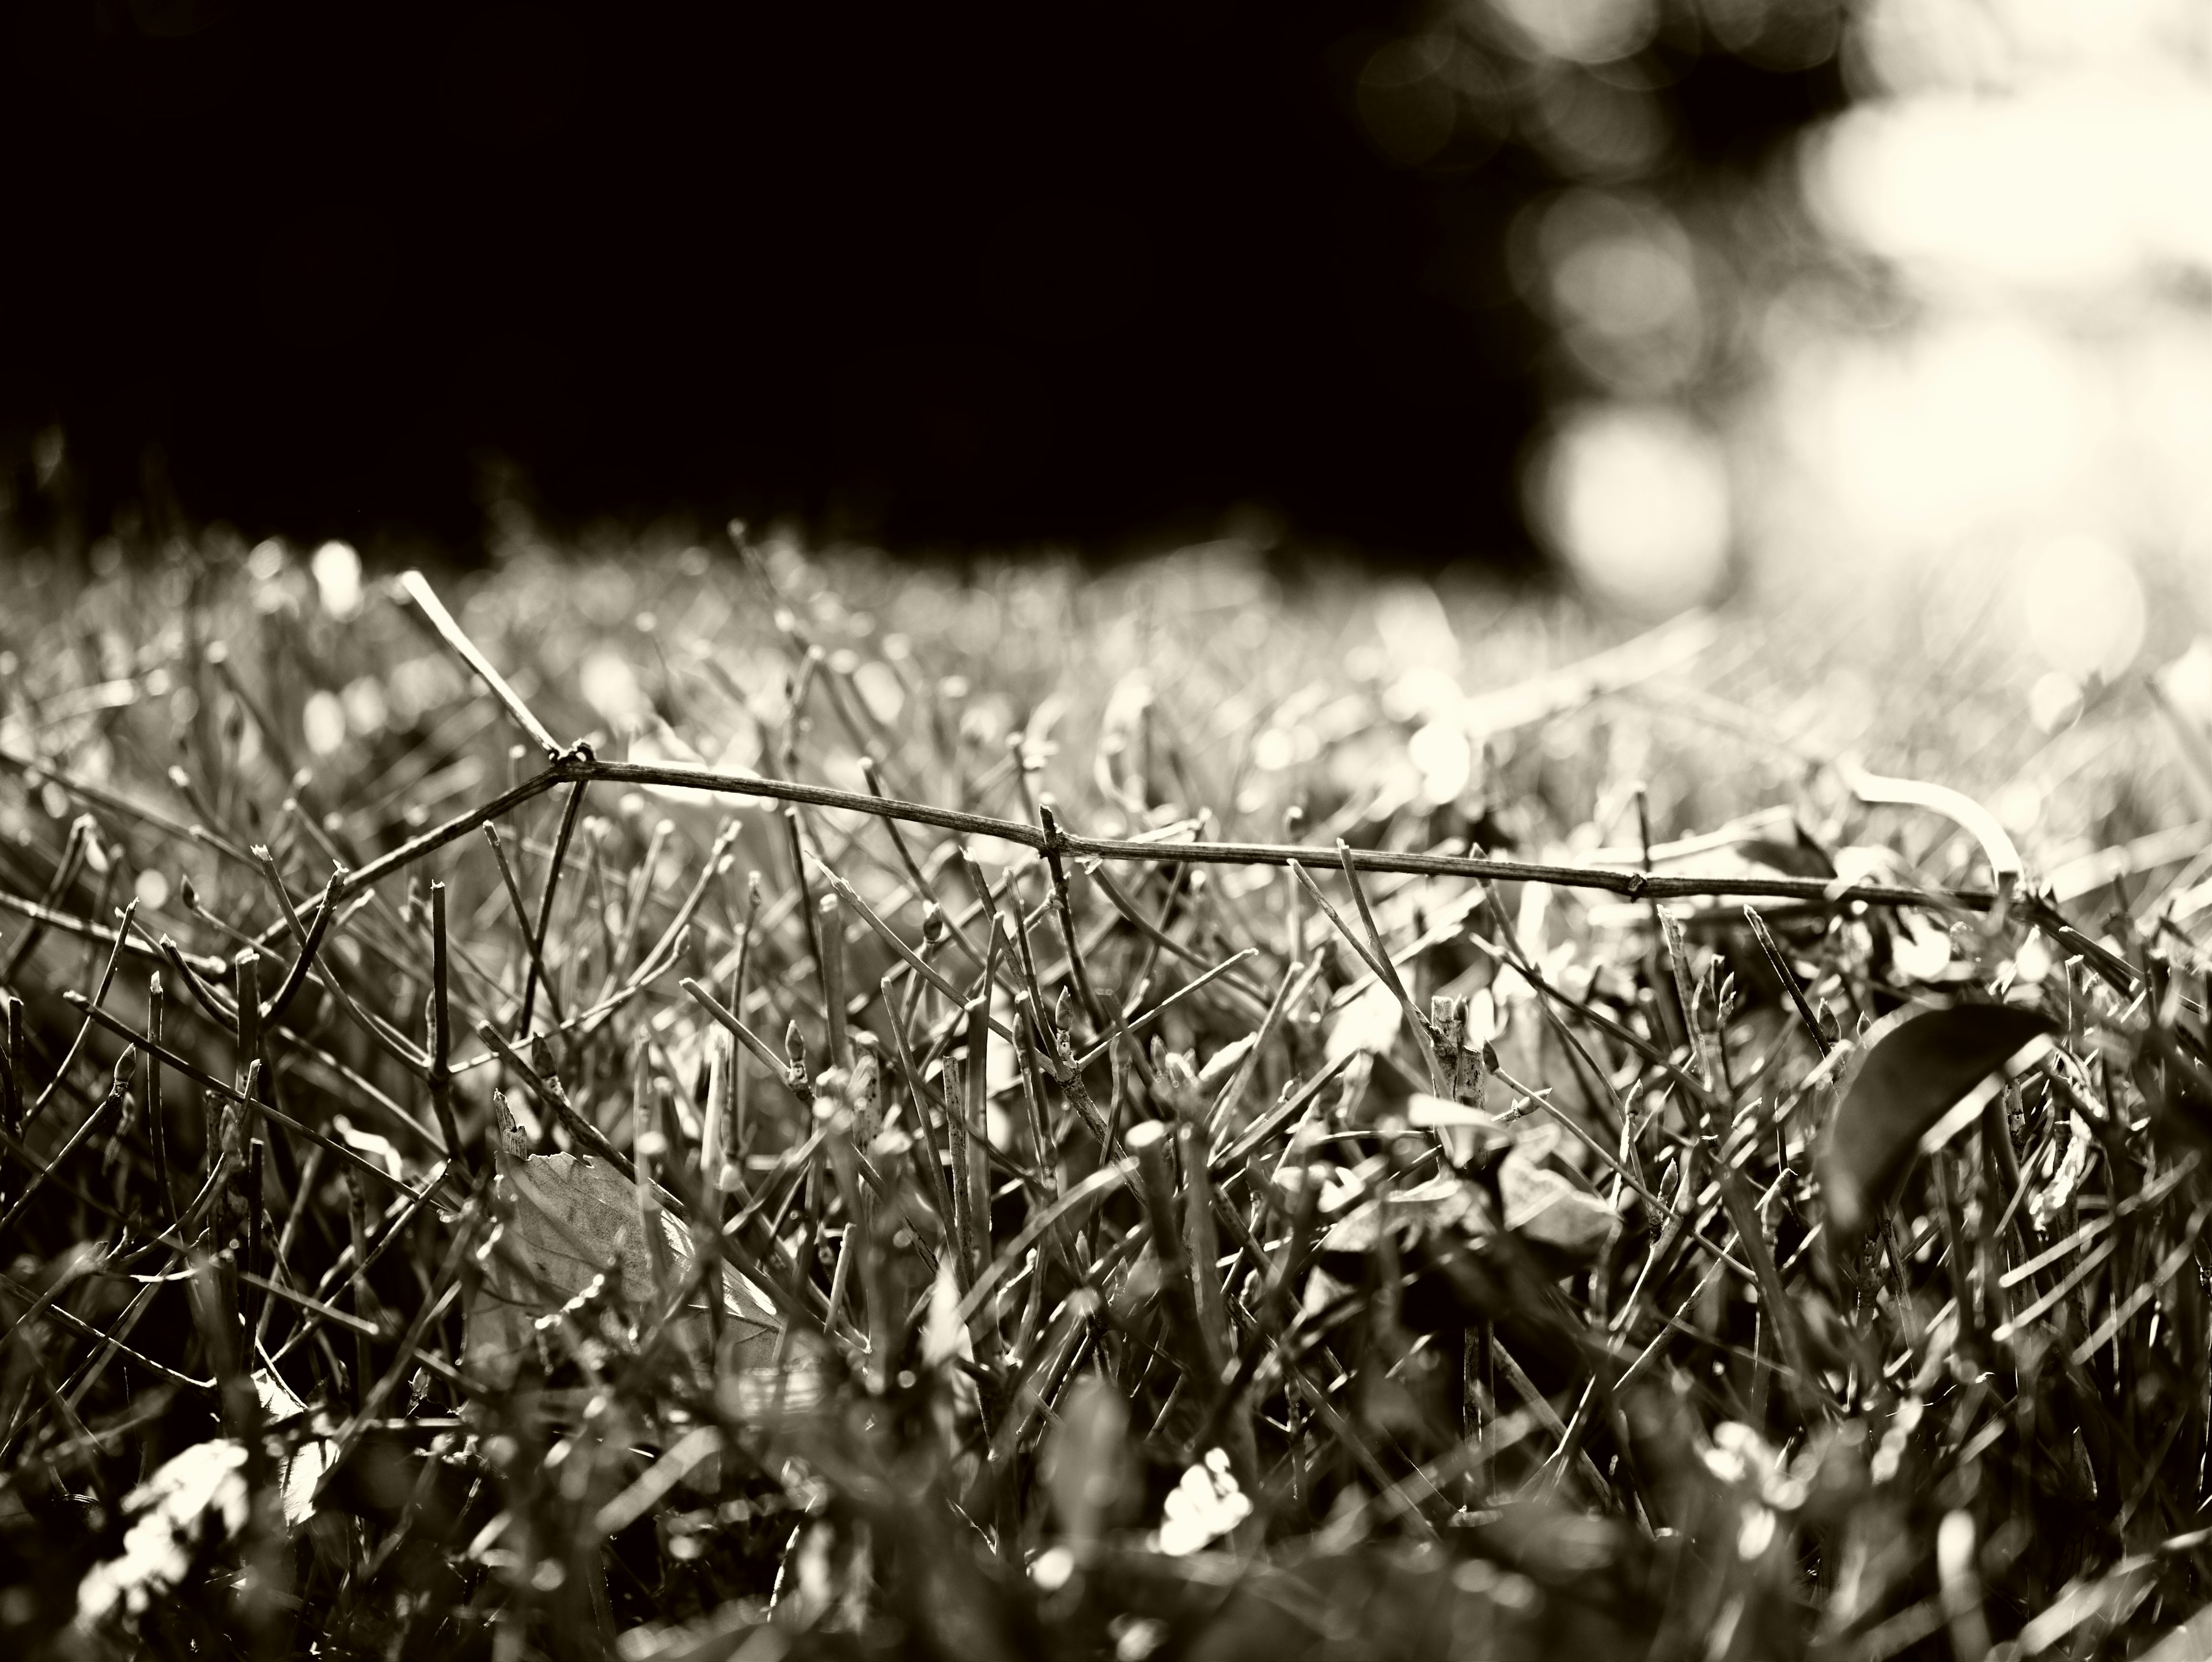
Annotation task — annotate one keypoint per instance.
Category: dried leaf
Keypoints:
(566, 1220)
(1540, 1204)
(1546, 1207)
(1918, 1064)
(1437, 1204)
(1467, 1131)
(306, 1463)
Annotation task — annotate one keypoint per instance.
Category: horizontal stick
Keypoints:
(1634, 885)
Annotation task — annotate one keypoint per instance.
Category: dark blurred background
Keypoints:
(939, 278)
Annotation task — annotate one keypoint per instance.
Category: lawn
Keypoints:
(700, 1103)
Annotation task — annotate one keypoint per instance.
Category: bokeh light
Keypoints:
(1985, 351)
(1621, 284)
(2085, 606)
(335, 567)
(1636, 503)
(1583, 31)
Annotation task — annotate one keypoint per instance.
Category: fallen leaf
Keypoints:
(306, 1463)
(1917, 1065)
(1438, 1203)
(1466, 1130)
(1540, 1204)
(566, 1220)
(1546, 1207)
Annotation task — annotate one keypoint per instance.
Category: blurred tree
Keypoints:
(1089, 273)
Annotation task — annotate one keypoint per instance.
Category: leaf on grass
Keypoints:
(1467, 1131)
(1438, 1203)
(306, 1462)
(568, 1220)
(1918, 1064)
(1540, 1205)
(1545, 1206)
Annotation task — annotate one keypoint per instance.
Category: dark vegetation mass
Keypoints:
(1094, 275)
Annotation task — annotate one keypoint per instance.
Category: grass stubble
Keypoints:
(1106, 1159)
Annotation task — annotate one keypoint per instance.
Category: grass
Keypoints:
(1226, 1118)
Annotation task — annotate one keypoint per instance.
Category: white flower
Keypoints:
(207, 1478)
(1205, 1506)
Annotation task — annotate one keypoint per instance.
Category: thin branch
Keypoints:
(418, 589)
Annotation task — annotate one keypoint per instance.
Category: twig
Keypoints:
(568, 816)
(1380, 958)
(125, 1066)
(84, 1028)
(417, 588)
(208, 1081)
(441, 1026)
(1634, 885)
(537, 968)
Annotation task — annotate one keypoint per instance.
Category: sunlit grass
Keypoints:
(1320, 1315)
